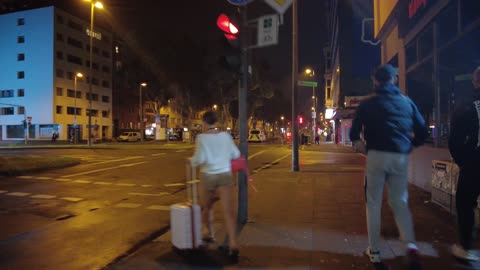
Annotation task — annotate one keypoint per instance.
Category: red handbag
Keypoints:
(240, 164)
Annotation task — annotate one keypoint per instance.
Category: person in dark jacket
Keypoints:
(464, 144)
(388, 120)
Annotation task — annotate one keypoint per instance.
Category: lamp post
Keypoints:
(140, 105)
(93, 5)
(310, 72)
(78, 75)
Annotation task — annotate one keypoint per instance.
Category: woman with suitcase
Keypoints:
(213, 153)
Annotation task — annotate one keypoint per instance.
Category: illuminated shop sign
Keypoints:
(95, 34)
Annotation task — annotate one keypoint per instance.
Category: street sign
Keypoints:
(279, 5)
(239, 2)
(307, 83)
(314, 115)
(267, 30)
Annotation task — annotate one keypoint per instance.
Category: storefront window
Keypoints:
(411, 53)
(447, 24)
(470, 14)
(425, 43)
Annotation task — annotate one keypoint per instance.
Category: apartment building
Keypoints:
(42, 50)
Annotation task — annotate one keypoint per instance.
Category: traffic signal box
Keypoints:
(232, 52)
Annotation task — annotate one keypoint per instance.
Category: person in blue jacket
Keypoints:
(392, 126)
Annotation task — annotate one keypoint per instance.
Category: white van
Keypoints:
(256, 135)
(129, 137)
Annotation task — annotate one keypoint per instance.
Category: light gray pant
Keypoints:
(392, 169)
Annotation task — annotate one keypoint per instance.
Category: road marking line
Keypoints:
(159, 154)
(174, 185)
(103, 183)
(179, 151)
(82, 181)
(63, 180)
(43, 178)
(149, 194)
(18, 194)
(128, 205)
(72, 199)
(259, 153)
(25, 177)
(159, 207)
(3, 191)
(116, 160)
(104, 169)
(42, 196)
(278, 160)
(146, 186)
(126, 184)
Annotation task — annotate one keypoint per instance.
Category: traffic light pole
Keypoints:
(242, 105)
(295, 163)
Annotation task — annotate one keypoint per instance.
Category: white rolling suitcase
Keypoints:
(185, 218)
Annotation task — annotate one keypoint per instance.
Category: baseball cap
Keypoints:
(385, 73)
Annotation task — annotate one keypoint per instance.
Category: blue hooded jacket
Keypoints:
(391, 121)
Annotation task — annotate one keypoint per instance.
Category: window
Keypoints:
(106, 69)
(106, 84)
(92, 112)
(6, 111)
(94, 65)
(70, 75)
(71, 110)
(21, 39)
(425, 43)
(59, 73)
(6, 93)
(59, 109)
(106, 54)
(70, 93)
(15, 131)
(21, 74)
(95, 81)
(79, 94)
(20, 92)
(59, 91)
(105, 113)
(411, 54)
(74, 42)
(447, 24)
(59, 37)
(59, 19)
(21, 110)
(21, 21)
(95, 97)
(59, 55)
(21, 57)
(105, 99)
(74, 59)
(75, 26)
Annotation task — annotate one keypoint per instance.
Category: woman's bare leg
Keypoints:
(229, 213)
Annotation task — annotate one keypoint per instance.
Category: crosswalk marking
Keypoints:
(159, 154)
(42, 196)
(103, 183)
(146, 186)
(63, 180)
(24, 177)
(43, 178)
(82, 181)
(128, 205)
(174, 185)
(159, 207)
(3, 191)
(72, 199)
(149, 194)
(18, 194)
(179, 151)
(126, 185)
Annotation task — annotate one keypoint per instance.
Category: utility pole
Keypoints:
(295, 163)
(242, 105)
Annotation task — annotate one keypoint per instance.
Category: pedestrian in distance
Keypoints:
(392, 127)
(213, 153)
(464, 145)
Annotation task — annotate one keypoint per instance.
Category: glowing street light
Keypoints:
(140, 105)
(215, 107)
(78, 75)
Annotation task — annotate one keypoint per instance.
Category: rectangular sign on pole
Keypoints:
(267, 30)
(307, 83)
(279, 5)
(314, 115)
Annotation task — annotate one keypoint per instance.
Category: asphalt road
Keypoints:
(86, 216)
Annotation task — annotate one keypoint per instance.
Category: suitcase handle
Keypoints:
(191, 182)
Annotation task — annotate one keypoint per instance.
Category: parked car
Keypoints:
(130, 137)
(256, 135)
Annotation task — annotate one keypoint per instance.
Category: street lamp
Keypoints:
(215, 107)
(78, 75)
(310, 72)
(140, 105)
(93, 5)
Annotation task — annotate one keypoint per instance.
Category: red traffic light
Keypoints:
(300, 120)
(230, 29)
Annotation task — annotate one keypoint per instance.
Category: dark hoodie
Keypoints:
(464, 141)
(389, 119)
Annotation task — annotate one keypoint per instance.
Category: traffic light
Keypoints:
(300, 119)
(231, 56)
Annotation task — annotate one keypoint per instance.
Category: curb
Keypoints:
(22, 172)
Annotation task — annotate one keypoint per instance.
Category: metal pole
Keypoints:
(141, 114)
(242, 104)
(92, 11)
(26, 124)
(295, 163)
(314, 119)
(75, 112)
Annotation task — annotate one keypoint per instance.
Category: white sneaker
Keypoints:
(374, 256)
(463, 254)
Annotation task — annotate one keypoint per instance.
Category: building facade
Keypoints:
(42, 50)
(434, 45)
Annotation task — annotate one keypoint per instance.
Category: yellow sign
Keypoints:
(279, 5)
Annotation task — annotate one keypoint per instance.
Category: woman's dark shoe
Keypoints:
(233, 255)
(208, 239)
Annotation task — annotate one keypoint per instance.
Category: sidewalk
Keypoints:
(314, 219)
